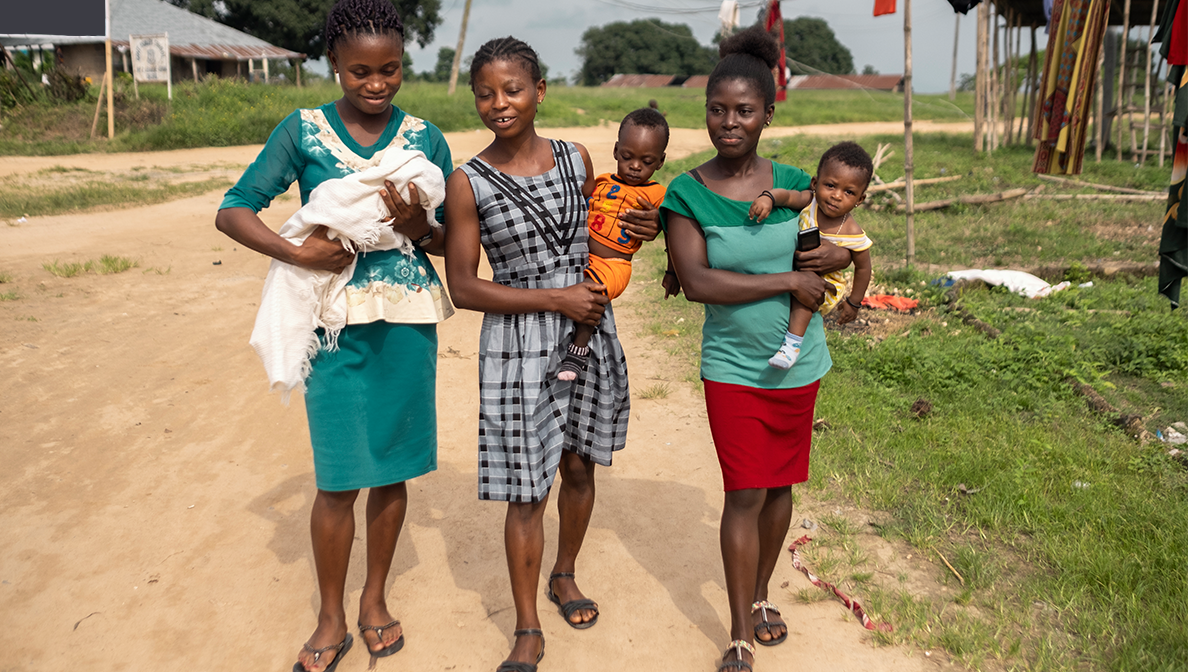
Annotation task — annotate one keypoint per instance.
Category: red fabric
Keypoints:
(888, 302)
(776, 18)
(884, 7)
(1177, 53)
(763, 437)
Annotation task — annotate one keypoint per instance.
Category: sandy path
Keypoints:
(155, 497)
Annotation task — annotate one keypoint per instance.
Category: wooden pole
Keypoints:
(1099, 131)
(110, 106)
(1122, 75)
(1015, 111)
(1147, 86)
(980, 82)
(909, 192)
(1032, 87)
(297, 70)
(995, 101)
(98, 106)
(953, 76)
(194, 68)
(458, 52)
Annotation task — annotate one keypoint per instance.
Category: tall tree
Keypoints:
(297, 24)
(811, 41)
(643, 46)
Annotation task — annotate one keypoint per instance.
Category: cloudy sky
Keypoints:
(554, 28)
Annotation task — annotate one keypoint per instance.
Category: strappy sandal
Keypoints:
(517, 666)
(340, 650)
(574, 361)
(568, 608)
(765, 606)
(737, 646)
(379, 633)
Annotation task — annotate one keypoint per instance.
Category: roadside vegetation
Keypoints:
(1069, 534)
(220, 112)
(59, 190)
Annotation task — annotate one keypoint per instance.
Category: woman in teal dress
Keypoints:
(371, 402)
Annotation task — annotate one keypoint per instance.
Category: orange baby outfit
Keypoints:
(611, 197)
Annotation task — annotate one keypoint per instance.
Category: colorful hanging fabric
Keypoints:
(775, 19)
(882, 7)
(1070, 65)
(1173, 245)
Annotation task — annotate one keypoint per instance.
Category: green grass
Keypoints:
(106, 265)
(5, 277)
(18, 199)
(10, 295)
(1058, 576)
(217, 113)
(656, 391)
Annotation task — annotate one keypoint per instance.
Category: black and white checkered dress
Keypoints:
(534, 232)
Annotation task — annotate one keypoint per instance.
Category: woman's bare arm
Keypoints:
(317, 253)
(583, 303)
(703, 284)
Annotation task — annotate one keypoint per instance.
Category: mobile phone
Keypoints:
(809, 239)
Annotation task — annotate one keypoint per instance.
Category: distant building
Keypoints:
(642, 81)
(197, 45)
(821, 82)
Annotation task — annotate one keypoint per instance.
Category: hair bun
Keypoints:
(754, 42)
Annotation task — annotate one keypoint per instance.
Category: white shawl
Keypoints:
(296, 301)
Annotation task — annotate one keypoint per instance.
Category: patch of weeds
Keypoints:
(27, 318)
(655, 391)
(158, 271)
(5, 277)
(811, 595)
(216, 248)
(10, 295)
(109, 264)
(68, 269)
(840, 524)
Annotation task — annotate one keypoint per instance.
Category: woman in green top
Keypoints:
(742, 270)
(371, 402)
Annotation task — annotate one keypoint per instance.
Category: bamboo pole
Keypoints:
(1032, 89)
(98, 106)
(110, 101)
(458, 52)
(1122, 71)
(953, 75)
(1147, 85)
(1015, 78)
(909, 193)
(995, 103)
(1099, 129)
(980, 82)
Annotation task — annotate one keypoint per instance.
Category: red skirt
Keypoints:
(762, 436)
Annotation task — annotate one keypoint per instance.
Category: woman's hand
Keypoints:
(825, 258)
(319, 253)
(642, 223)
(583, 303)
(408, 218)
(809, 289)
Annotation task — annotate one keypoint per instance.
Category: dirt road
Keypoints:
(155, 498)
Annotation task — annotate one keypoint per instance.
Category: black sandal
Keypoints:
(340, 650)
(517, 666)
(574, 361)
(568, 608)
(738, 646)
(766, 625)
(379, 632)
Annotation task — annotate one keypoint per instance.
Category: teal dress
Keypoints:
(372, 403)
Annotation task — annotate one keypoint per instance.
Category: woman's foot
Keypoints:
(563, 587)
(769, 627)
(389, 629)
(327, 634)
(738, 657)
(529, 646)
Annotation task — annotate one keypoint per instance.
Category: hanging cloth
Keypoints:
(775, 19)
(1070, 65)
(962, 6)
(1173, 245)
(882, 7)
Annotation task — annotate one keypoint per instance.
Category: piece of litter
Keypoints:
(22, 220)
(1173, 437)
(927, 654)
(190, 506)
(1085, 285)
(1080, 485)
(216, 263)
(808, 524)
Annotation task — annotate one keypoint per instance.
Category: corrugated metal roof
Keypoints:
(876, 82)
(639, 81)
(696, 82)
(190, 35)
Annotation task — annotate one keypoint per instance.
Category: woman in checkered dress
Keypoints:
(522, 200)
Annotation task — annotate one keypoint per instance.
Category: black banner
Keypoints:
(54, 17)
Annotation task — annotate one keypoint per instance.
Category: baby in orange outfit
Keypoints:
(639, 152)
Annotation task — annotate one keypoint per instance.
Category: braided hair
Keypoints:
(361, 17)
(748, 55)
(506, 49)
(646, 117)
(848, 154)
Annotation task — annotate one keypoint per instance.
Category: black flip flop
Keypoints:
(340, 648)
(379, 632)
(571, 606)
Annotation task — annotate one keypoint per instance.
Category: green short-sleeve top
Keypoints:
(737, 340)
(312, 146)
